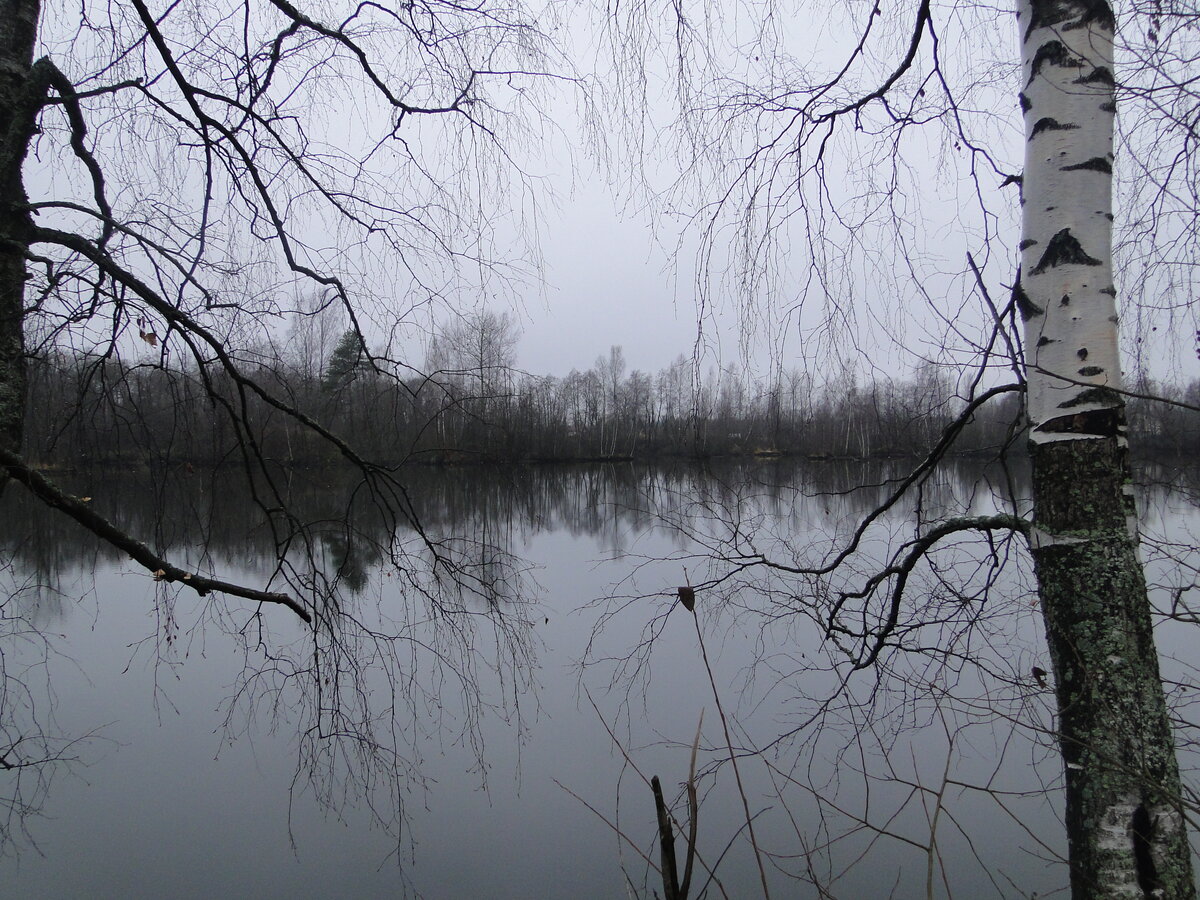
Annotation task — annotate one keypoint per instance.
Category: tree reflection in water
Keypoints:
(946, 758)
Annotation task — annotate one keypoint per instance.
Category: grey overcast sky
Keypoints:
(613, 275)
(611, 278)
(889, 277)
(607, 281)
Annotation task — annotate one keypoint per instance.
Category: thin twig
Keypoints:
(762, 872)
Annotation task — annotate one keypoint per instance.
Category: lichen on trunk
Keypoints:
(1125, 826)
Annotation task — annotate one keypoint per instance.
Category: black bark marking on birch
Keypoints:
(1027, 307)
(1024, 101)
(1098, 394)
(1108, 107)
(1111, 290)
(1100, 422)
(1047, 13)
(1095, 164)
(1043, 341)
(1081, 353)
(1048, 123)
(1098, 75)
(1062, 250)
(1056, 54)
(1143, 829)
(1026, 244)
(1089, 371)
(1098, 11)
(1065, 301)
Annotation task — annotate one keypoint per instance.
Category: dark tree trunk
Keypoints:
(19, 102)
(1124, 823)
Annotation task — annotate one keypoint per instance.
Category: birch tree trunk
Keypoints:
(1124, 821)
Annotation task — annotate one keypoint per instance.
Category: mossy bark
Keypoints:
(1124, 821)
(1123, 801)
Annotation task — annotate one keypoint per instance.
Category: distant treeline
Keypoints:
(103, 409)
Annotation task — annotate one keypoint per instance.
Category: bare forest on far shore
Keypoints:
(109, 410)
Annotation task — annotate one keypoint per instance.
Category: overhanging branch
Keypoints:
(917, 551)
(52, 495)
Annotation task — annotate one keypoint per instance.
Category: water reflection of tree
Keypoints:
(922, 627)
(985, 625)
(427, 619)
(189, 510)
(181, 188)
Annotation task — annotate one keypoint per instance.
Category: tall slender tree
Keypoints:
(832, 200)
(1125, 824)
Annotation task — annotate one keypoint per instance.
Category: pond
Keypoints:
(193, 766)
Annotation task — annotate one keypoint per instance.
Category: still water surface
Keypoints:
(170, 799)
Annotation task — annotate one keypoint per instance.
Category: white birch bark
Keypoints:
(1124, 820)
(1066, 292)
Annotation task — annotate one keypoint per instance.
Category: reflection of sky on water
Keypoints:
(168, 807)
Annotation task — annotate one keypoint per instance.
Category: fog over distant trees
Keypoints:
(476, 404)
(158, 412)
